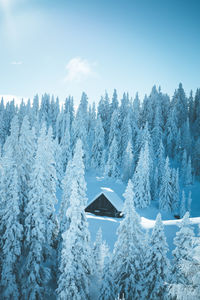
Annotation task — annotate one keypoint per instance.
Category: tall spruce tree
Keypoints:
(141, 179)
(127, 261)
(157, 267)
(75, 265)
(40, 221)
(98, 147)
(184, 242)
(166, 192)
(11, 231)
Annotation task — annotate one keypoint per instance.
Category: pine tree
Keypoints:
(141, 179)
(75, 266)
(40, 221)
(111, 168)
(180, 102)
(91, 127)
(182, 206)
(97, 252)
(12, 141)
(75, 169)
(156, 187)
(114, 128)
(157, 130)
(114, 103)
(184, 242)
(66, 192)
(184, 167)
(128, 251)
(98, 146)
(175, 190)
(125, 136)
(166, 192)
(104, 112)
(27, 149)
(80, 128)
(186, 136)
(128, 161)
(107, 289)
(171, 132)
(160, 161)
(65, 143)
(188, 175)
(157, 268)
(189, 202)
(11, 231)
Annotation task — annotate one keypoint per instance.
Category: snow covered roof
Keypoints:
(111, 196)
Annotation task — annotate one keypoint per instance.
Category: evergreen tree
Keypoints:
(125, 136)
(107, 289)
(156, 187)
(128, 161)
(189, 202)
(65, 143)
(180, 102)
(104, 112)
(27, 149)
(157, 130)
(171, 132)
(112, 168)
(157, 268)
(114, 128)
(186, 137)
(100, 253)
(136, 109)
(141, 179)
(114, 103)
(91, 126)
(97, 252)
(98, 146)
(184, 242)
(182, 206)
(188, 175)
(184, 167)
(40, 221)
(128, 251)
(175, 190)
(75, 266)
(160, 161)
(11, 231)
(80, 128)
(66, 192)
(12, 141)
(166, 192)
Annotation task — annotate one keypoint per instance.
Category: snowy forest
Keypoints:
(151, 145)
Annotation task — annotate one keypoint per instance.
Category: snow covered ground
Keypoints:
(148, 215)
(109, 225)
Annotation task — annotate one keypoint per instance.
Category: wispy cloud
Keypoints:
(16, 63)
(79, 69)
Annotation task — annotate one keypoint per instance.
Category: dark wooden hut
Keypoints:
(106, 203)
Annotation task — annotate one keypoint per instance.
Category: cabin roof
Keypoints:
(111, 196)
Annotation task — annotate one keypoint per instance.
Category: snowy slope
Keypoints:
(148, 215)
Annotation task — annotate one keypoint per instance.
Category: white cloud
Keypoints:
(16, 63)
(79, 69)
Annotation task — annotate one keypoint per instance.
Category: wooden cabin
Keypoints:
(106, 203)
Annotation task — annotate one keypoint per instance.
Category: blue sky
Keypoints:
(66, 47)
